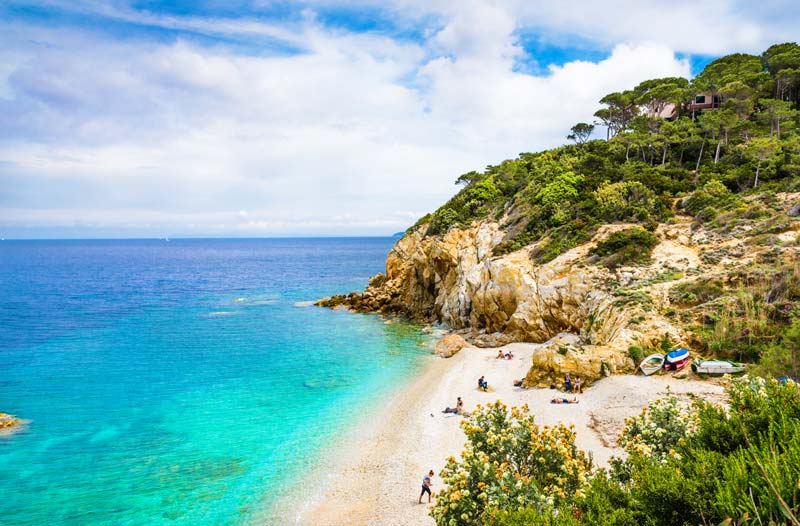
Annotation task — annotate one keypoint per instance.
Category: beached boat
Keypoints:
(717, 367)
(652, 363)
(678, 355)
(676, 360)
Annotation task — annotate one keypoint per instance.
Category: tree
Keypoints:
(736, 67)
(622, 108)
(656, 94)
(719, 123)
(763, 150)
(581, 132)
(777, 111)
(783, 63)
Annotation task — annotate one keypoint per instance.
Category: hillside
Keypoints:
(679, 230)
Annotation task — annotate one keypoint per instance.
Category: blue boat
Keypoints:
(678, 355)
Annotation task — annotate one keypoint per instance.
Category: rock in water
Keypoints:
(450, 345)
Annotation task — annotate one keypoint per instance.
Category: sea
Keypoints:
(184, 381)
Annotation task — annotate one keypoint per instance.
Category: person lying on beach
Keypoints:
(564, 401)
(457, 409)
(500, 355)
(518, 383)
(426, 486)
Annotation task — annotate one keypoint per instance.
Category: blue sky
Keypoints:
(262, 118)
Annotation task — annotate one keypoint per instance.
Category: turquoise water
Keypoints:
(180, 382)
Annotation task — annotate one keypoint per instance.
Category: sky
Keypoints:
(270, 118)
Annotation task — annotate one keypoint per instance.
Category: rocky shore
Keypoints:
(590, 315)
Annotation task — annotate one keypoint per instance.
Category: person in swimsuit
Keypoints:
(426, 486)
(482, 384)
(567, 383)
(564, 401)
(459, 406)
(500, 354)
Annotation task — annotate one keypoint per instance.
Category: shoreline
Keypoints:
(373, 475)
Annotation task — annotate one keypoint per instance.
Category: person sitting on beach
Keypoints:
(426, 486)
(482, 384)
(509, 355)
(564, 401)
(518, 383)
(500, 355)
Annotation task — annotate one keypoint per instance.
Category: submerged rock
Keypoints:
(7, 422)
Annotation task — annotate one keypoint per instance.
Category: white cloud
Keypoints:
(359, 133)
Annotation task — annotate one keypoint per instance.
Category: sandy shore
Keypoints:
(377, 476)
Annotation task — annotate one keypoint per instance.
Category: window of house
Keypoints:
(700, 99)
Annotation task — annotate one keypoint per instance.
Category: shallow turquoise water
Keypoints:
(180, 383)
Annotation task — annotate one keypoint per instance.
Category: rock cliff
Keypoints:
(589, 314)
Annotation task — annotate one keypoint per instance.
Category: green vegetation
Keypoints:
(686, 465)
(626, 247)
(663, 147)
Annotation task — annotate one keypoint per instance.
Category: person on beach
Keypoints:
(578, 387)
(482, 384)
(426, 486)
(509, 355)
(457, 409)
(567, 383)
(500, 354)
(518, 383)
(564, 401)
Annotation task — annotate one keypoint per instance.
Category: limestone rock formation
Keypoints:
(450, 345)
(455, 280)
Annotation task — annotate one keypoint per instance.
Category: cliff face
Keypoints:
(590, 315)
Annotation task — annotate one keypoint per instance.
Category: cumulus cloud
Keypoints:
(349, 133)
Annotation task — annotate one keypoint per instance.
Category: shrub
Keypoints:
(509, 463)
(659, 428)
(442, 220)
(696, 292)
(625, 200)
(626, 247)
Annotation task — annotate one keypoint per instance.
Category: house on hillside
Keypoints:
(666, 112)
(704, 101)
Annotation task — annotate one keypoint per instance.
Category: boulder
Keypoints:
(794, 211)
(450, 345)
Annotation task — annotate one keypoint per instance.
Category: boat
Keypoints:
(676, 360)
(652, 363)
(717, 367)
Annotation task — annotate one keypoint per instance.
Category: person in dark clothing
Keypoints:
(426, 486)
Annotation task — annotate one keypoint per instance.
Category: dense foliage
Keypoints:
(701, 464)
(660, 144)
(509, 462)
(626, 247)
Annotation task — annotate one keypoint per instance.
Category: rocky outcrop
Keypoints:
(7, 422)
(450, 345)
(454, 279)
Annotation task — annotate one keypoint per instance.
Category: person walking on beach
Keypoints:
(567, 383)
(426, 486)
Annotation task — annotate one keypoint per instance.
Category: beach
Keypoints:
(376, 477)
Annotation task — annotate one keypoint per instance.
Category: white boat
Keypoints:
(717, 367)
(652, 363)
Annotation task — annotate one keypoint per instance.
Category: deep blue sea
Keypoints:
(182, 382)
